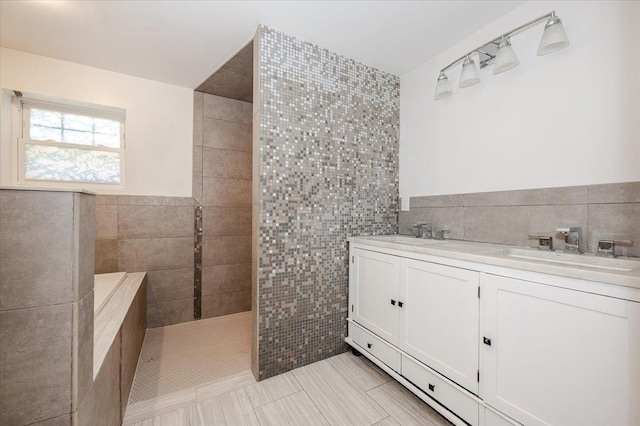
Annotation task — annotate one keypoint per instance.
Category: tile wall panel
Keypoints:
(226, 249)
(226, 163)
(36, 266)
(154, 221)
(106, 256)
(35, 363)
(226, 303)
(607, 211)
(617, 222)
(224, 134)
(150, 254)
(226, 109)
(226, 278)
(226, 220)
(513, 224)
(226, 192)
(169, 312)
(106, 222)
(170, 284)
(328, 169)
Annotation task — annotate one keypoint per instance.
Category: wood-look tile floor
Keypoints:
(342, 390)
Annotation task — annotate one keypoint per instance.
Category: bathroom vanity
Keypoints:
(491, 335)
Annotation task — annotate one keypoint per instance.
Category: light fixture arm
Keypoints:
(497, 39)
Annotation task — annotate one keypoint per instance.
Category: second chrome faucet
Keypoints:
(572, 239)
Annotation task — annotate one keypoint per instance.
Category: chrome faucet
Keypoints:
(572, 239)
(427, 230)
(421, 230)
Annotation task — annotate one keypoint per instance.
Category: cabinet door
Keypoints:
(373, 287)
(439, 319)
(558, 356)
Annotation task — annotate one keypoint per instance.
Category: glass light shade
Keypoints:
(505, 57)
(470, 74)
(443, 87)
(554, 37)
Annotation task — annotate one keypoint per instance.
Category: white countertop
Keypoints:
(627, 274)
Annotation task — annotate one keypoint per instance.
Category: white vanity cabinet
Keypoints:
(554, 356)
(419, 319)
(495, 345)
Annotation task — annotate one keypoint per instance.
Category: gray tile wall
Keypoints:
(154, 235)
(46, 304)
(609, 211)
(327, 169)
(222, 168)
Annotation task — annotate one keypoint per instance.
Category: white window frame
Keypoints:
(21, 127)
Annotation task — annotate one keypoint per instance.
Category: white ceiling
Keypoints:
(184, 42)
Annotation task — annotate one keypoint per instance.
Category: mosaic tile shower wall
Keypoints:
(328, 169)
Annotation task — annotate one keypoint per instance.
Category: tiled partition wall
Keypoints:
(153, 235)
(610, 211)
(327, 169)
(46, 305)
(222, 186)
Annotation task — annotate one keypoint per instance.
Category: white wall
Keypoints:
(569, 118)
(159, 122)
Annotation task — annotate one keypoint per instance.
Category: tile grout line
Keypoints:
(314, 404)
(197, 264)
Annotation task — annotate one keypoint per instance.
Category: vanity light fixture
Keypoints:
(500, 53)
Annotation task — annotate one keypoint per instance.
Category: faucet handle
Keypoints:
(608, 247)
(545, 242)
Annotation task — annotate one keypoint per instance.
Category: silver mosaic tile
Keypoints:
(328, 146)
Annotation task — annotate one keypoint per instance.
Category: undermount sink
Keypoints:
(409, 240)
(571, 259)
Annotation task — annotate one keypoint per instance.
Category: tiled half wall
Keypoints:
(609, 211)
(327, 169)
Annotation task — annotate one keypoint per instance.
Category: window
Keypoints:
(77, 146)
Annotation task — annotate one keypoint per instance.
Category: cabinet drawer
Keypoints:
(446, 394)
(375, 346)
(493, 419)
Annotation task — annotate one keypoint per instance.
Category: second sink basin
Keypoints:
(409, 240)
(571, 259)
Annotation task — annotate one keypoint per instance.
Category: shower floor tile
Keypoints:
(180, 357)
